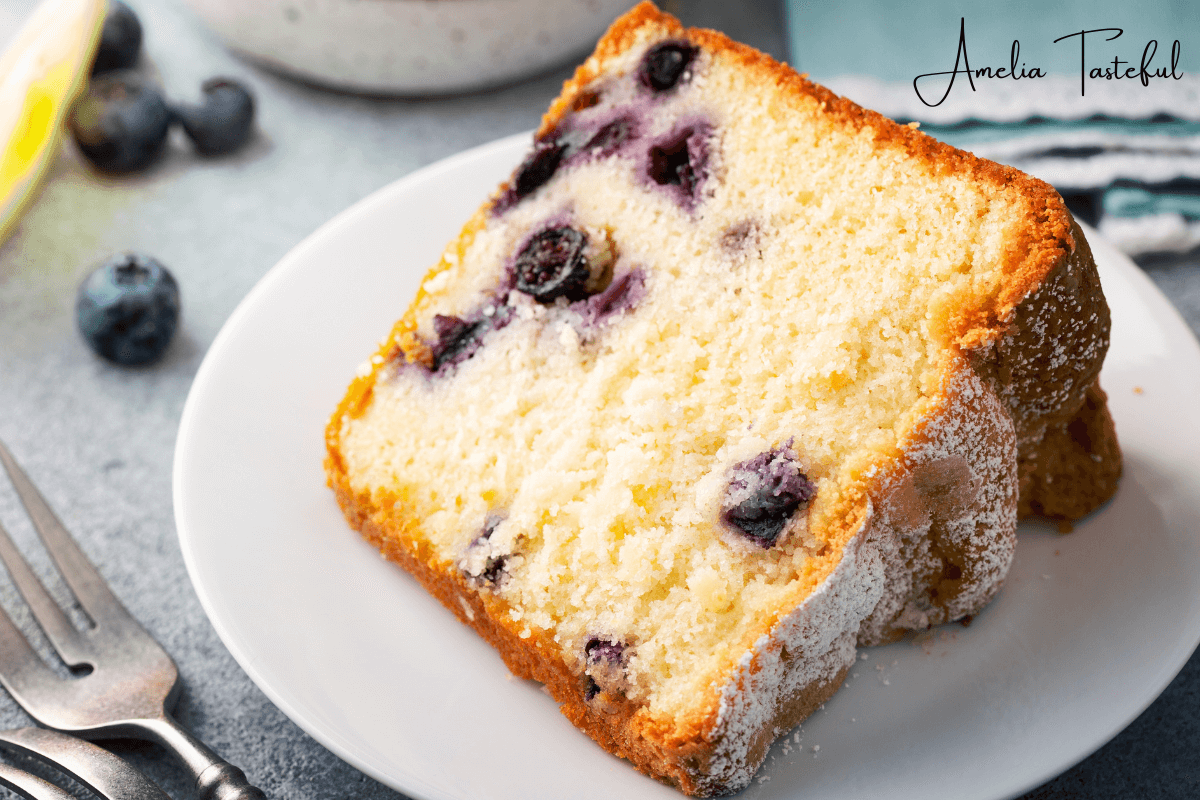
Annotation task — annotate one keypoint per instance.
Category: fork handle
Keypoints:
(216, 778)
(224, 781)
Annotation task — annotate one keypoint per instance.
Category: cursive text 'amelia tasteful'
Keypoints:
(1117, 69)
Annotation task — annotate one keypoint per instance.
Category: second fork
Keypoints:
(132, 683)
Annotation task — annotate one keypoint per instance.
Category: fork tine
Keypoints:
(86, 583)
(58, 628)
(31, 786)
(22, 671)
(93, 766)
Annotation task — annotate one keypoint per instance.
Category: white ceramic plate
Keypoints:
(1088, 630)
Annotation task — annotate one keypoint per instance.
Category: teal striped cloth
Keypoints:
(1112, 121)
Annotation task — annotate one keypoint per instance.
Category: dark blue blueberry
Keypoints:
(604, 651)
(120, 39)
(128, 309)
(535, 171)
(552, 264)
(492, 569)
(680, 160)
(768, 489)
(459, 339)
(609, 138)
(121, 123)
(604, 666)
(538, 167)
(623, 292)
(665, 65)
(223, 122)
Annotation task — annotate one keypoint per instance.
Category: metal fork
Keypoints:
(132, 684)
(31, 786)
(99, 770)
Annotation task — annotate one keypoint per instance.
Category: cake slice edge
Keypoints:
(907, 560)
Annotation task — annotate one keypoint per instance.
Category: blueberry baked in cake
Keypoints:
(730, 377)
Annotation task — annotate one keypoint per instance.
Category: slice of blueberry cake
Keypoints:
(730, 377)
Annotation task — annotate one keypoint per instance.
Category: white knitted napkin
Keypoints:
(1126, 158)
(1124, 152)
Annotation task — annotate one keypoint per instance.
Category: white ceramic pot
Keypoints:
(410, 47)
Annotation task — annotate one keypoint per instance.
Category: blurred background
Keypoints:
(1125, 154)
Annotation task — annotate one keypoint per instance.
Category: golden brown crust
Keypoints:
(972, 322)
(946, 511)
(1045, 369)
(679, 755)
(1076, 465)
(932, 527)
(660, 753)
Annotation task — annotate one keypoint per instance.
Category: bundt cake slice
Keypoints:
(731, 376)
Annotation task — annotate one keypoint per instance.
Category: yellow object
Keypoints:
(41, 73)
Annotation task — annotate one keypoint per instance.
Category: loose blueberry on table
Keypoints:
(121, 124)
(120, 39)
(128, 309)
(223, 122)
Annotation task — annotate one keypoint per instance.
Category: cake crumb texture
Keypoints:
(731, 377)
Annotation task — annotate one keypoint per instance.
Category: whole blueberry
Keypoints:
(222, 123)
(553, 264)
(121, 123)
(120, 39)
(457, 339)
(128, 309)
(665, 65)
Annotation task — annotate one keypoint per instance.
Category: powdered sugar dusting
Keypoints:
(1053, 349)
(807, 648)
(954, 491)
(951, 512)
